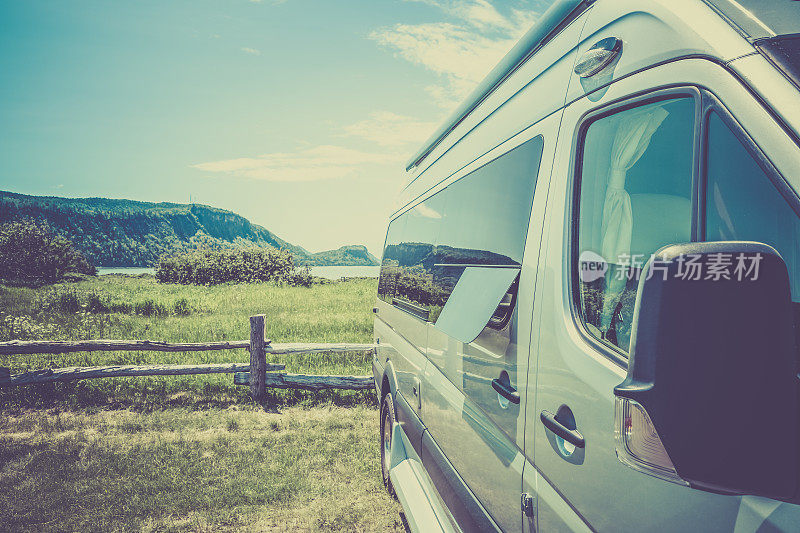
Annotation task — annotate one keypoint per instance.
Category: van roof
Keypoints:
(754, 19)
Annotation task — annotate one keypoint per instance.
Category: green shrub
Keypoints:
(73, 301)
(210, 267)
(121, 307)
(67, 302)
(181, 307)
(95, 304)
(30, 253)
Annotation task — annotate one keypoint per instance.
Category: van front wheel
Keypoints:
(387, 422)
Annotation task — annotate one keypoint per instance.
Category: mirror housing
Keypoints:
(711, 395)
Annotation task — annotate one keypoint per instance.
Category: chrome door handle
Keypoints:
(570, 435)
(506, 391)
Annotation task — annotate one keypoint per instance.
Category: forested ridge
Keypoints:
(111, 232)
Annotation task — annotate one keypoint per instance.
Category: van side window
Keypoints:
(415, 290)
(635, 196)
(480, 219)
(390, 271)
(486, 220)
(743, 204)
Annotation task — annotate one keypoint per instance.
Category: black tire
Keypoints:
(387, 420)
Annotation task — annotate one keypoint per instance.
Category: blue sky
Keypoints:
(297, 114)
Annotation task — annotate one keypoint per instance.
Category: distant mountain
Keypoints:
(113, 232)
(346, 255)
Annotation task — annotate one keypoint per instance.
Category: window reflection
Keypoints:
(481, 219)
(390, 271)
(415, 282)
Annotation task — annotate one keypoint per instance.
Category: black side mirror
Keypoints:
(711, 396)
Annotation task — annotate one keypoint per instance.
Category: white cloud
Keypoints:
(479, 13)
(461, 52)
(251, 51)
(390, 129)
(311, 164)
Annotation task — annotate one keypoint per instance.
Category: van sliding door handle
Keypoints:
(506, 391)
(570, 435)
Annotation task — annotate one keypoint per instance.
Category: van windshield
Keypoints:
(759, 18)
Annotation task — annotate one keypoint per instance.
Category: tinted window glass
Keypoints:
(416, 257)
(635, 197)
(487, 215)
(743, 204)
(480, 219)
(390, 272)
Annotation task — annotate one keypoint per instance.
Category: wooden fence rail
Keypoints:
(52, 375)
(306, 382)
(257, 374)
(109, 345)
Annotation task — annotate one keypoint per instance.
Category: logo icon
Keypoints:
(592, 266)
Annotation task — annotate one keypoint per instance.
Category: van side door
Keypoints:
(489, 241)
(625, 183)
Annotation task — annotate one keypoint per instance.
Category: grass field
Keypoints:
(189, 453)
(193, 470)
(332, 312)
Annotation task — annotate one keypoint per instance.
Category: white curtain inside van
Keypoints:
(630, 141)
(632, 137)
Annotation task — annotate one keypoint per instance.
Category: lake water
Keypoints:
(329, 272)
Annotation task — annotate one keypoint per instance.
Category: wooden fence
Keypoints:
(258, 374)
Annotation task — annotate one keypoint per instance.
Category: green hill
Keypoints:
(113, 232)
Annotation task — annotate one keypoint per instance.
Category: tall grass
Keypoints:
(141, 308)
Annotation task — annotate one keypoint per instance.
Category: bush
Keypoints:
(30, 253)
(67, 302)
(181, 307)
(70, 301)
(121, 307)
(95, 305)
(210, 267)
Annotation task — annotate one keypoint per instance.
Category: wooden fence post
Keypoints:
(258, 358)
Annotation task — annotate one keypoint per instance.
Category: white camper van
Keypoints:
(590, 290)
